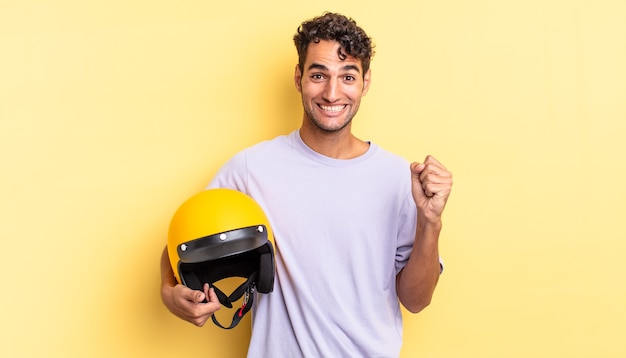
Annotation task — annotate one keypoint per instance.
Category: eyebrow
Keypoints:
(324, 68)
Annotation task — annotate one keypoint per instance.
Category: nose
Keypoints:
(331, 91)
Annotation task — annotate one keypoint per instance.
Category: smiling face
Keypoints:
(331, 88)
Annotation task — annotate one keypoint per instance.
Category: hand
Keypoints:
(431, 186)
(188, 304)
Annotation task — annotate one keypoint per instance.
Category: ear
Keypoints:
(367, 79)
(297, 79)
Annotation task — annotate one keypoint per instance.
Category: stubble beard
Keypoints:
(328, 129)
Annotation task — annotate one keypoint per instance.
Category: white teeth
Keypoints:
(332, 108)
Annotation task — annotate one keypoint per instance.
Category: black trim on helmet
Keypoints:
(224, 244)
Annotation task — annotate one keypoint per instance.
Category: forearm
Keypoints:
(416, 282)
(167, 275)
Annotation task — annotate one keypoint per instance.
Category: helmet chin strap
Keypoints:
(246, 290)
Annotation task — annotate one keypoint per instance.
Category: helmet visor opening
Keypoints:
(195, 275)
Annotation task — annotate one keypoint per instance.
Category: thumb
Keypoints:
(416, 181)
(416, 169)
(197, 296)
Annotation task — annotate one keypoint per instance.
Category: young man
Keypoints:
(356, 228)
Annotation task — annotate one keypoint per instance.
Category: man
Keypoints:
(356, 228)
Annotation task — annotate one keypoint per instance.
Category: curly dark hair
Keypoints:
(335, 27)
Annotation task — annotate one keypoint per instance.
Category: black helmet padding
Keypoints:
(259, 261)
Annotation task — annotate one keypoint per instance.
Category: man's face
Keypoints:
(331, 89)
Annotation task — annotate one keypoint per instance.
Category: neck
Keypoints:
(341, 144)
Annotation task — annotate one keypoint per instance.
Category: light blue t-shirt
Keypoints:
(343, 229)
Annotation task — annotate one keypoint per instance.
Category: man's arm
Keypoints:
(416, 282)
(184, 302)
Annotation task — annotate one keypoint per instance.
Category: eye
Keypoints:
(317, 76)
(349, 78)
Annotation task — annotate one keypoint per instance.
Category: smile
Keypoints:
(332, 108)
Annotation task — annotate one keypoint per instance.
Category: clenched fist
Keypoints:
(431, 186)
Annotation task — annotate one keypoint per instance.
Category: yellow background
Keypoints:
(114, 112)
